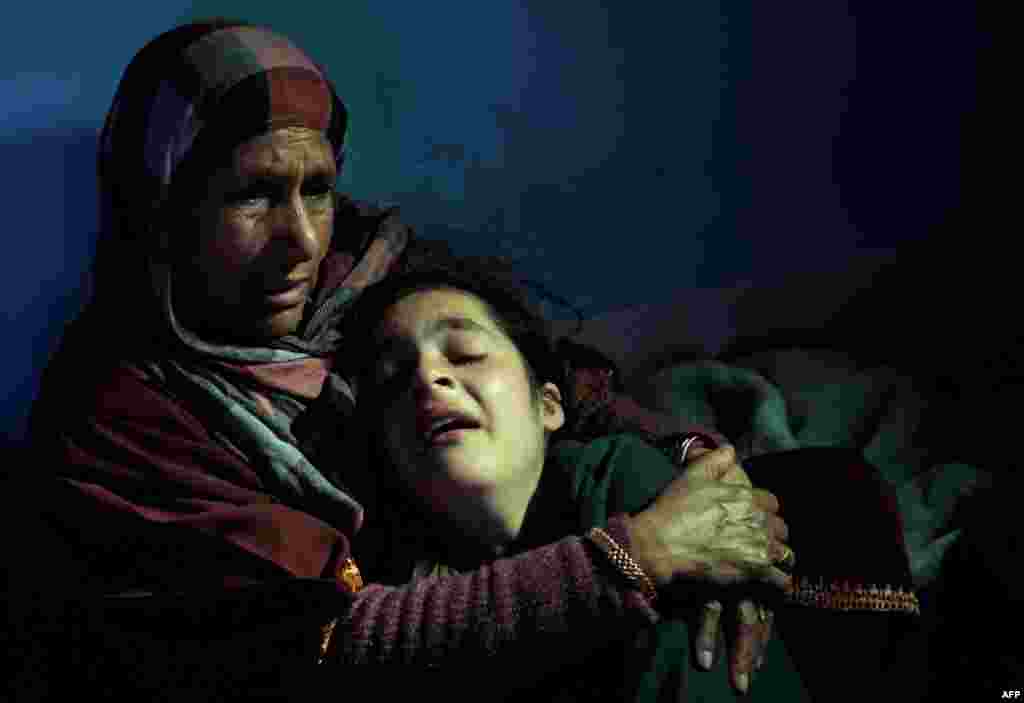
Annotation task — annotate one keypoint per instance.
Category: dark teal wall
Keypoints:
(623, 151)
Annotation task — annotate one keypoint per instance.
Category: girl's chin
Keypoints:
(461, 478)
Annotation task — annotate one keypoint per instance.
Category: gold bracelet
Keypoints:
(622, 561)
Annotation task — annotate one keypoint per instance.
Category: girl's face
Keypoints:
(461, 421)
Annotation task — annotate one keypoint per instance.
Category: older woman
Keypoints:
(199, 536)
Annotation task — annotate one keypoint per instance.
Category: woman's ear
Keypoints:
(552, 412)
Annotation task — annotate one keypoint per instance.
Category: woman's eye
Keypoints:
(317, 191)
(253, 203)
(250, 199)
(320, 201)
(316, 197)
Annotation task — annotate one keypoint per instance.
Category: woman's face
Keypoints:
(461, 421)
(264, 224)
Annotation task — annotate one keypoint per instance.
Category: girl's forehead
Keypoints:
(424, 313)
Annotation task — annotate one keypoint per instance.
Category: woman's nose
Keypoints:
(294, 226)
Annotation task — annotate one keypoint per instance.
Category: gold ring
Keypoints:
(788, 559)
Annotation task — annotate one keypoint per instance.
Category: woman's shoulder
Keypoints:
(114, 392)
(121, 388)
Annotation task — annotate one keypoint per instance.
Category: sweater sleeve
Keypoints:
(557, 595)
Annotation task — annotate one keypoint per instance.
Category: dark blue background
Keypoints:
(623, 151)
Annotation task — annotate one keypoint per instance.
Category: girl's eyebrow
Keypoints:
(455, 322)
(388, 345)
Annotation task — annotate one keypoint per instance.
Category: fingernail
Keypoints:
(743, 682)
(704, 658)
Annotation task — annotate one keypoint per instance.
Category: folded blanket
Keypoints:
(776, 400)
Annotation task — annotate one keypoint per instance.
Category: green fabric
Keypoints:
(621, 473)
(796, 398)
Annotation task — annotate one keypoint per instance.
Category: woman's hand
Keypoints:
(710, 527)
(705, 530)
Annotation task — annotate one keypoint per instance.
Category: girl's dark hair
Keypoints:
(491, 280)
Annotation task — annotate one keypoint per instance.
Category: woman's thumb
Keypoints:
(711, 465)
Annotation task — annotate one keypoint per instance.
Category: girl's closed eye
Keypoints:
(465, 348)
(463, 358)
(390, 374)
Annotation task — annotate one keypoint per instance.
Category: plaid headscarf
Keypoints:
(189, 96)
(195, 91)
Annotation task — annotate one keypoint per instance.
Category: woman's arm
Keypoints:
(149, 500)
(553, 596)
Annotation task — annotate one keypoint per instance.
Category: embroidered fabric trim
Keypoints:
(847, 596)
